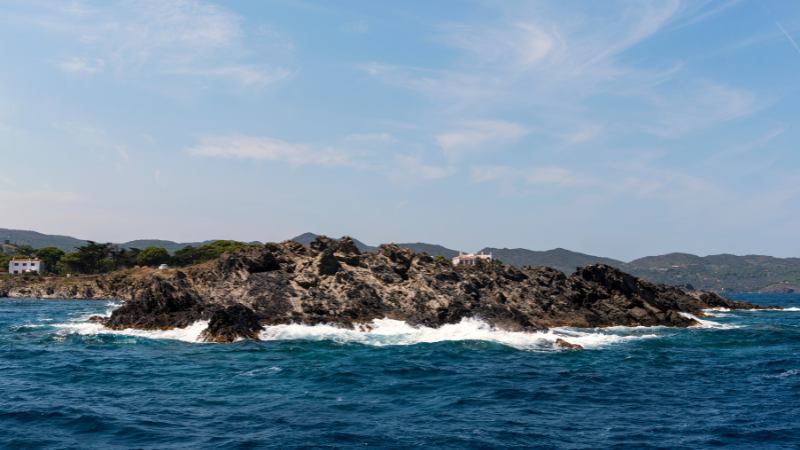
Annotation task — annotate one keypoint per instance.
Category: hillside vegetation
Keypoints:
(719, 273)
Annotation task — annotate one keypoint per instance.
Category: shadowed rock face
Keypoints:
(159, 305)
(332, 282)
(231, 323)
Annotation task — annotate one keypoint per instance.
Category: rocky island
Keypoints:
(333, 282)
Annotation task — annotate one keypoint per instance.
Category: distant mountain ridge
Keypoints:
(720, 273)
(69, 244)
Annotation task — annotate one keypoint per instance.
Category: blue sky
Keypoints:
(616, 128)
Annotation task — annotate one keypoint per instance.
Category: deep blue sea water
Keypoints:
(733, 383)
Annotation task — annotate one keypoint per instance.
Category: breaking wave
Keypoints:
(188, 334)
(708, 323)
(388, 332)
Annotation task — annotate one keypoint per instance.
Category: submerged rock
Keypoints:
(566, 345)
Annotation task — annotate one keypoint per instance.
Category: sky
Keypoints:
(616, 128)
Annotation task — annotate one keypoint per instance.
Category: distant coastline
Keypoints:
(723, 274)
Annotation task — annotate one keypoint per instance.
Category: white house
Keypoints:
(470, 259)
(25, 265)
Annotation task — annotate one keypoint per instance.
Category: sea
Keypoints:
(732, 382)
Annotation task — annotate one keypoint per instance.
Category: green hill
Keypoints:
(564, 260)
(39, 240)
(68, 244)
(721, 273)
(430, 249)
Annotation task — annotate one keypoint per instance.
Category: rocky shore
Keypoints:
(333, 282)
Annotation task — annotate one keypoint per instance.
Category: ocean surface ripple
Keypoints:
(733, 382)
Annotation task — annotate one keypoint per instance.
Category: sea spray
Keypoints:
(188, 334)
(388, 332)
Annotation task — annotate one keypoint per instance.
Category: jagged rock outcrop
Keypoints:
(160, 304)
(231, 323)
(333, 282)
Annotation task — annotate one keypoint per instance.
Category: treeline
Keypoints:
(94, 258)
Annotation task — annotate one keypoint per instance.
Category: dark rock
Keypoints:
(158, 305)
(348, 247)
(331, 282)
(231, 323)
(566, 345)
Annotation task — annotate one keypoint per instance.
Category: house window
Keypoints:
(24, 264)
(16, 264)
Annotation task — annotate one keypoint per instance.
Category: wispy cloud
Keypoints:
(372, 137)
(477, 133)
(268, 149)
(556, 61)
(704, 105)
(358, 27)
(400, 167)
(557, 176)
(175, 37)
(486, 173)
(94, 139)
(411, 168)
(77, 65)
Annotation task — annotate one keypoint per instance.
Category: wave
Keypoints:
(188, 334)
(718, 310)
(708, 323)
(388, 332)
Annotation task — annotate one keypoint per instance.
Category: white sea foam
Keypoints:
(788, 373)
(752, 310)
(188, 334)
(386, 332)
(708, 323)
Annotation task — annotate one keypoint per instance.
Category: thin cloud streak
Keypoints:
(788, 36)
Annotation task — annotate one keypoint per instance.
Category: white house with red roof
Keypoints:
(470, 259)
(25, 265)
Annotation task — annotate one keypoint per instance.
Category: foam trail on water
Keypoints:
(386, 332)
(709, 324)
(188, 334)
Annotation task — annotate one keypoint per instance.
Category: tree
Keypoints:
(442, 258)
(497, 261)
(26, 250)
(153, 256)
(90, 258)
(4, 260)
(186, 256)
(195, 255)
(73, 263)
(123, 258)
(50, 256)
